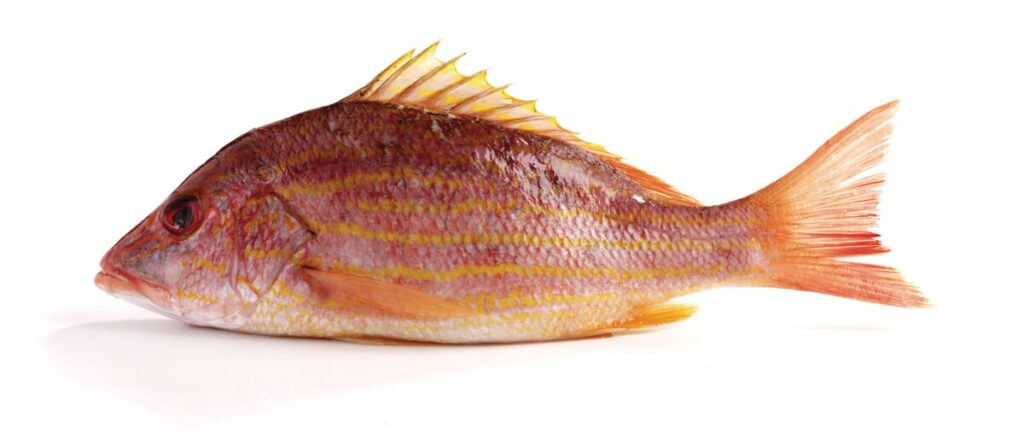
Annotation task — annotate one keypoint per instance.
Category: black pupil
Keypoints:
(183, 217)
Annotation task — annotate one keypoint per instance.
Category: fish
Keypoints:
(433, 207)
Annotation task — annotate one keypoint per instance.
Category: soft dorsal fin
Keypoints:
(427, 82)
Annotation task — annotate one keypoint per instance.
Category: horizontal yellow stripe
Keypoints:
(261, 254)
(519, 300)
(284, 290)
(472, 205)
(522, 239)
(518, 269)
(197, 263)
(197, 297)
(459, 272)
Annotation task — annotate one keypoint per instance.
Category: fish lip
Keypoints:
(139, 292)
(117, 282)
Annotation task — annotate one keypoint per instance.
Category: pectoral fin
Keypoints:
(371, 296)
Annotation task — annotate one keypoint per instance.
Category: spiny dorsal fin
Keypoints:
(425, 81)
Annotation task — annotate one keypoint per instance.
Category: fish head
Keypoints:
(204, 255)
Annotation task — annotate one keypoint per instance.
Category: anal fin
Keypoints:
(657, 314)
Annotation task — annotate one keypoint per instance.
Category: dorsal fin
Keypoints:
(425, 81)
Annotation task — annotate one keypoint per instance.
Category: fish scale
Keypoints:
(432, 207)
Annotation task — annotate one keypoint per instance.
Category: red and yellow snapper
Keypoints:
(432, 207)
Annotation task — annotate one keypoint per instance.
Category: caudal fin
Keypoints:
(823, 211)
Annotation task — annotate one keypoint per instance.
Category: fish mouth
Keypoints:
(136, 291)
(116, 284)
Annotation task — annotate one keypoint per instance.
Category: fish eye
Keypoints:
(182, 216)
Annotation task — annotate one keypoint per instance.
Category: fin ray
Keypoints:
(821, 212)
(648, 316)
(422, 80)
(371, 296)
(658, 314)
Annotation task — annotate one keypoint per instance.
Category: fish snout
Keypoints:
(112, 284)
(116, 281)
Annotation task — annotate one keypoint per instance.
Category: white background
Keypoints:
(107, 107)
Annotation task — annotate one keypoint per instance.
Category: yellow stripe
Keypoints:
(197, 263)
(162, 243)
(518, 300)
(474, 205)
(518, 269)
(524, 239)
(357, 179)
(459, 272)
(284, 290)
(260, 254)
(197, 297)
(399, 206)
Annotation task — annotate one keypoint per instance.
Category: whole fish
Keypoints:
(429, 206)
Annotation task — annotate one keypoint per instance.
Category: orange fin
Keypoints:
(645, 317)
(370, 296)
(427, 82)
(824, 209)
(658, 314)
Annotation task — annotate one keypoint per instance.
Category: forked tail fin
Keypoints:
(823, 211)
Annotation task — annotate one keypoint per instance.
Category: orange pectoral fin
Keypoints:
(370, 296)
